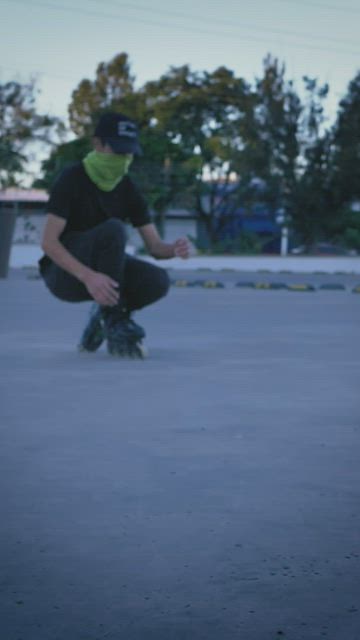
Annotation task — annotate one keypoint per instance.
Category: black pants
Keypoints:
(102, 248)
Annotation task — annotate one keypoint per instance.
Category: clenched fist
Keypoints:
(182, 248)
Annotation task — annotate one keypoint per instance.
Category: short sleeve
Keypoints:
(139, 214)
(61, 195)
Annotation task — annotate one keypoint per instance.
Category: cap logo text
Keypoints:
(126, 129)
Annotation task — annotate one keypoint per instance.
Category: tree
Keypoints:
(111, 90)
(312, 211)
(345, 168)
(313, 118)
(188, 121)
(266, 158)
(200, 114)
(210, 139)
(275, 137)
(330, 181)
(160, 174)
(346, 147)
(20, 125)
(60, 157)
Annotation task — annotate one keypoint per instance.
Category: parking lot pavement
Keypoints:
(210, 492)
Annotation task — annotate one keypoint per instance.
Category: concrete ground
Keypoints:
(211, 492)
(27, 255)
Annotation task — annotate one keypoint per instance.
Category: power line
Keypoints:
(342, 9)
(38, 73)
(247, 25)
(197, 30)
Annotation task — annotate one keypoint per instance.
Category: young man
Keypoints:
(84, 240)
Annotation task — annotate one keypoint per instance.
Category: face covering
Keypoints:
(106, 169)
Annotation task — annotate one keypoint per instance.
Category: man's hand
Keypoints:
(182, 248)
(102, 288)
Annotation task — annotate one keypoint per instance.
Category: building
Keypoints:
(30, 207)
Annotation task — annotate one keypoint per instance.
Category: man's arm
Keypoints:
(160, 249)
(100, 286)
(52, 246)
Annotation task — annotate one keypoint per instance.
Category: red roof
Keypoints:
(14, 194)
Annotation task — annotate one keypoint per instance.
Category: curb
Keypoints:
(332, 287)
(245, 285)
(270, 285)
(264, 286)
(183, 283)
(259, 286)
(205, 284)
(300, 287)
(212, 284)
(316, 272)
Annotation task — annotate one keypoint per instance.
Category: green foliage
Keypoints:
(346, 148)
(199, 130)
(330, 181)
(111, 90)
(351, 238)
(346, 229)
(246, 243)
(312, 213)
(201, 115)
(20, 124)
(277, 113)
(61, 157)
(159, 171)
(312, 117)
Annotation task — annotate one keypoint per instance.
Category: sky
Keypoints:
(60, 42)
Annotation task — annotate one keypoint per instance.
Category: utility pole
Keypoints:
(281, 221)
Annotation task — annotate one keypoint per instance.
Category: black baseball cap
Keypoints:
(119, 132)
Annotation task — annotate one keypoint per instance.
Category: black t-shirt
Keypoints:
(83, 205)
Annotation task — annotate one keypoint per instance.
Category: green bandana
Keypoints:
(106, 169)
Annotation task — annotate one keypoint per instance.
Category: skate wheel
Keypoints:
(133, 352)
(116, 352)
(143, 351)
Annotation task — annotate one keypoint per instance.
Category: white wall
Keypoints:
(29, 229)
(173, 229)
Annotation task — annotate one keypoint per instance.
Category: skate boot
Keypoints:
(93, 335)
(123, 335)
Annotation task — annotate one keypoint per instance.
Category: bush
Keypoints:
(246, 243)
(351, 238)
(347, 230)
